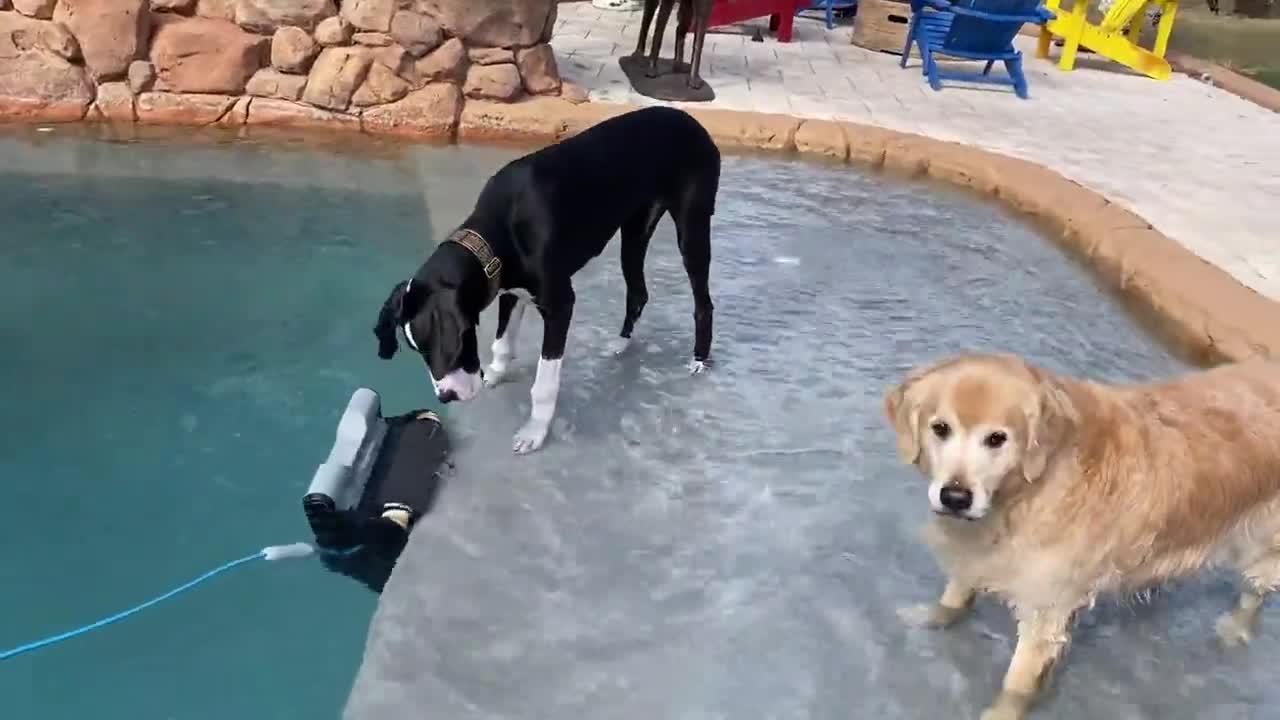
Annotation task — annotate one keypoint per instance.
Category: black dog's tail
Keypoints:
(389, 318)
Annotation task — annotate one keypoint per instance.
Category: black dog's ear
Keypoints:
(448, 326)
(390, 317)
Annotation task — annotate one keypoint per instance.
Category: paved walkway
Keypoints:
(1200, 164)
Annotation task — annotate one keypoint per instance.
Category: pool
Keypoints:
(182, 326)
(186, 321)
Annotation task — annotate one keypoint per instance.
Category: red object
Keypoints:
(782, 13)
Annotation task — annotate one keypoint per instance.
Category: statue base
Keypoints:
(672, 83)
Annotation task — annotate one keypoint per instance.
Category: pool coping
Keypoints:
(1197, 306)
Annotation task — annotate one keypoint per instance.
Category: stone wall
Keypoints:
(385, 65)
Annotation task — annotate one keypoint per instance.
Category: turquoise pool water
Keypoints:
(181, 329)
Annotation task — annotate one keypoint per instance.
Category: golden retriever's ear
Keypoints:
(905, 419)
(902, 408)
(1051, 417)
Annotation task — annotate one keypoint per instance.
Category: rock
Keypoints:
(237, 115)
(538, 70)
(217, 9)
(41, 9)
(492, 82)
(292, 50)
(394, 57)
(431, 112)
(38, 85)
(371, 15)
(493, 23)
(416, 32)
(380, 87)
(4, 4)
(573, 93)
(115, 102)
(19, 33)
(490, 56)
(200, 55)
(334, 31)
(142, 75)
(549, 28)
(372, 39)
(178, 6)
(266, 16)
(165, 108)
(335, 76)
(111, 33)
(271, 83)
(447, 63)
(282, 113)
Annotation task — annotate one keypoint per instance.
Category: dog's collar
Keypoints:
(478, 246)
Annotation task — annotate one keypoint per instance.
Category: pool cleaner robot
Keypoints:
(381, 476)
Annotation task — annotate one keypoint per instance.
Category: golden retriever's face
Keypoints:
(972, 425)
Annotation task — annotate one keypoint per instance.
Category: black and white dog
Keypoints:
(536, 223)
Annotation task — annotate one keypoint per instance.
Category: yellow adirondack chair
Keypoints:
(1109, 38)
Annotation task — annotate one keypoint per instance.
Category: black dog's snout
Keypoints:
(447, 396)
(956, 499)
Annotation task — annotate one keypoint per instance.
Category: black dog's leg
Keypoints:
(645, 19)
(556, 307)
(693, 231)
(635, 244)
(664, 13)
(510, 313)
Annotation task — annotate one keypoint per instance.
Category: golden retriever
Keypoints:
(1049, 491)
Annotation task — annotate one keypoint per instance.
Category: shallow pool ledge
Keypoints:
(1193, 303)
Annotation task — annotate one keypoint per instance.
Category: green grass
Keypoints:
(1248, 46)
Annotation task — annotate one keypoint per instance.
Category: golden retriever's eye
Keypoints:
(940, 429)
(995, 440)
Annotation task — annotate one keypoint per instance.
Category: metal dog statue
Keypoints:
(692, 14)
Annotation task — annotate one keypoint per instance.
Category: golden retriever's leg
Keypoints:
(1261, 578)
(1043, 637)
(1236, 628)
(956, 602)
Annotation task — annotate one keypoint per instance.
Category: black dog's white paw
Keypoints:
(619, 345)
(530, 437)
(697, 367)
(495, 376)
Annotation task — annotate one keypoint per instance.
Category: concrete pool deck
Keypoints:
(1175, 216)
(1202, 168)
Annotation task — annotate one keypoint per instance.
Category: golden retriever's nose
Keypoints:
(955, 498)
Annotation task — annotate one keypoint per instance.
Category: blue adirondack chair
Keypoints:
(972, 30)
(830, 6)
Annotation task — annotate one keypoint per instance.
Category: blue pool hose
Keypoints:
(274, 552)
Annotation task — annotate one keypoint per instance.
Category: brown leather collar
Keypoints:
(478, 246)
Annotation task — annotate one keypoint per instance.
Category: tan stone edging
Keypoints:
(1193, 303)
